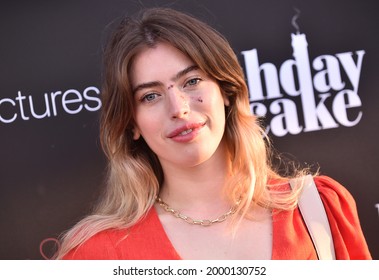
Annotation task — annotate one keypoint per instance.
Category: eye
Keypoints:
(192, 82)
(149, 97)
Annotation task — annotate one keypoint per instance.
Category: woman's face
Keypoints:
(179, 108)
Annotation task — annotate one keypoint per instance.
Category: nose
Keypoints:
(178, 105)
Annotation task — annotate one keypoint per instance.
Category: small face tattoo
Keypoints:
(198, 99)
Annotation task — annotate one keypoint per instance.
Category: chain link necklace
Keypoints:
(191, 221)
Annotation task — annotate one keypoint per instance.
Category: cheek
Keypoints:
(216, 102)
(146, 124)
(208, 96)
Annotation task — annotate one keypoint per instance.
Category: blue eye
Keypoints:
(193, 82)
(149, 97)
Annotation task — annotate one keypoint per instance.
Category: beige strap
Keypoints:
(314, 215)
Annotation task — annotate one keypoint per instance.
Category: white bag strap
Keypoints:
(314, 215)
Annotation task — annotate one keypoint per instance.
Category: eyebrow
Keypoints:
(157, 83)
(184, 72)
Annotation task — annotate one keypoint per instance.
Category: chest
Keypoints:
(250, 240)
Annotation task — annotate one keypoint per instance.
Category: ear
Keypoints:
(136, 133)
(226, 100)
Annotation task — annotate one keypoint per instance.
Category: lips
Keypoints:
(186, 132)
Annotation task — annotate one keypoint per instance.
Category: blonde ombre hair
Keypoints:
(135, 174)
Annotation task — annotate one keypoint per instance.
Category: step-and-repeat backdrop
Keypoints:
(311, 66)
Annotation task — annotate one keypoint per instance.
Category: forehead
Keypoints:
(158, 63)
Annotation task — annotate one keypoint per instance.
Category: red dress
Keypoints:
(147, 240)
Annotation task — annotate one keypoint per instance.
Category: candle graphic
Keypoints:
(300, 53)
(301, 61)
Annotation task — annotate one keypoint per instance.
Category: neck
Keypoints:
(197, 189)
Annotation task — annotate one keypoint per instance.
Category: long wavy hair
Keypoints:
(134, 172)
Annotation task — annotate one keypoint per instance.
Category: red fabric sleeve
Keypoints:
(98, 247)
(348, 238)
(146, 240)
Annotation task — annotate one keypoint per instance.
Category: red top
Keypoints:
(147, 240)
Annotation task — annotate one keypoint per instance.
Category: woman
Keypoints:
(190, 175)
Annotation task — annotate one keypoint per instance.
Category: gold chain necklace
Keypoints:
(191, 221)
